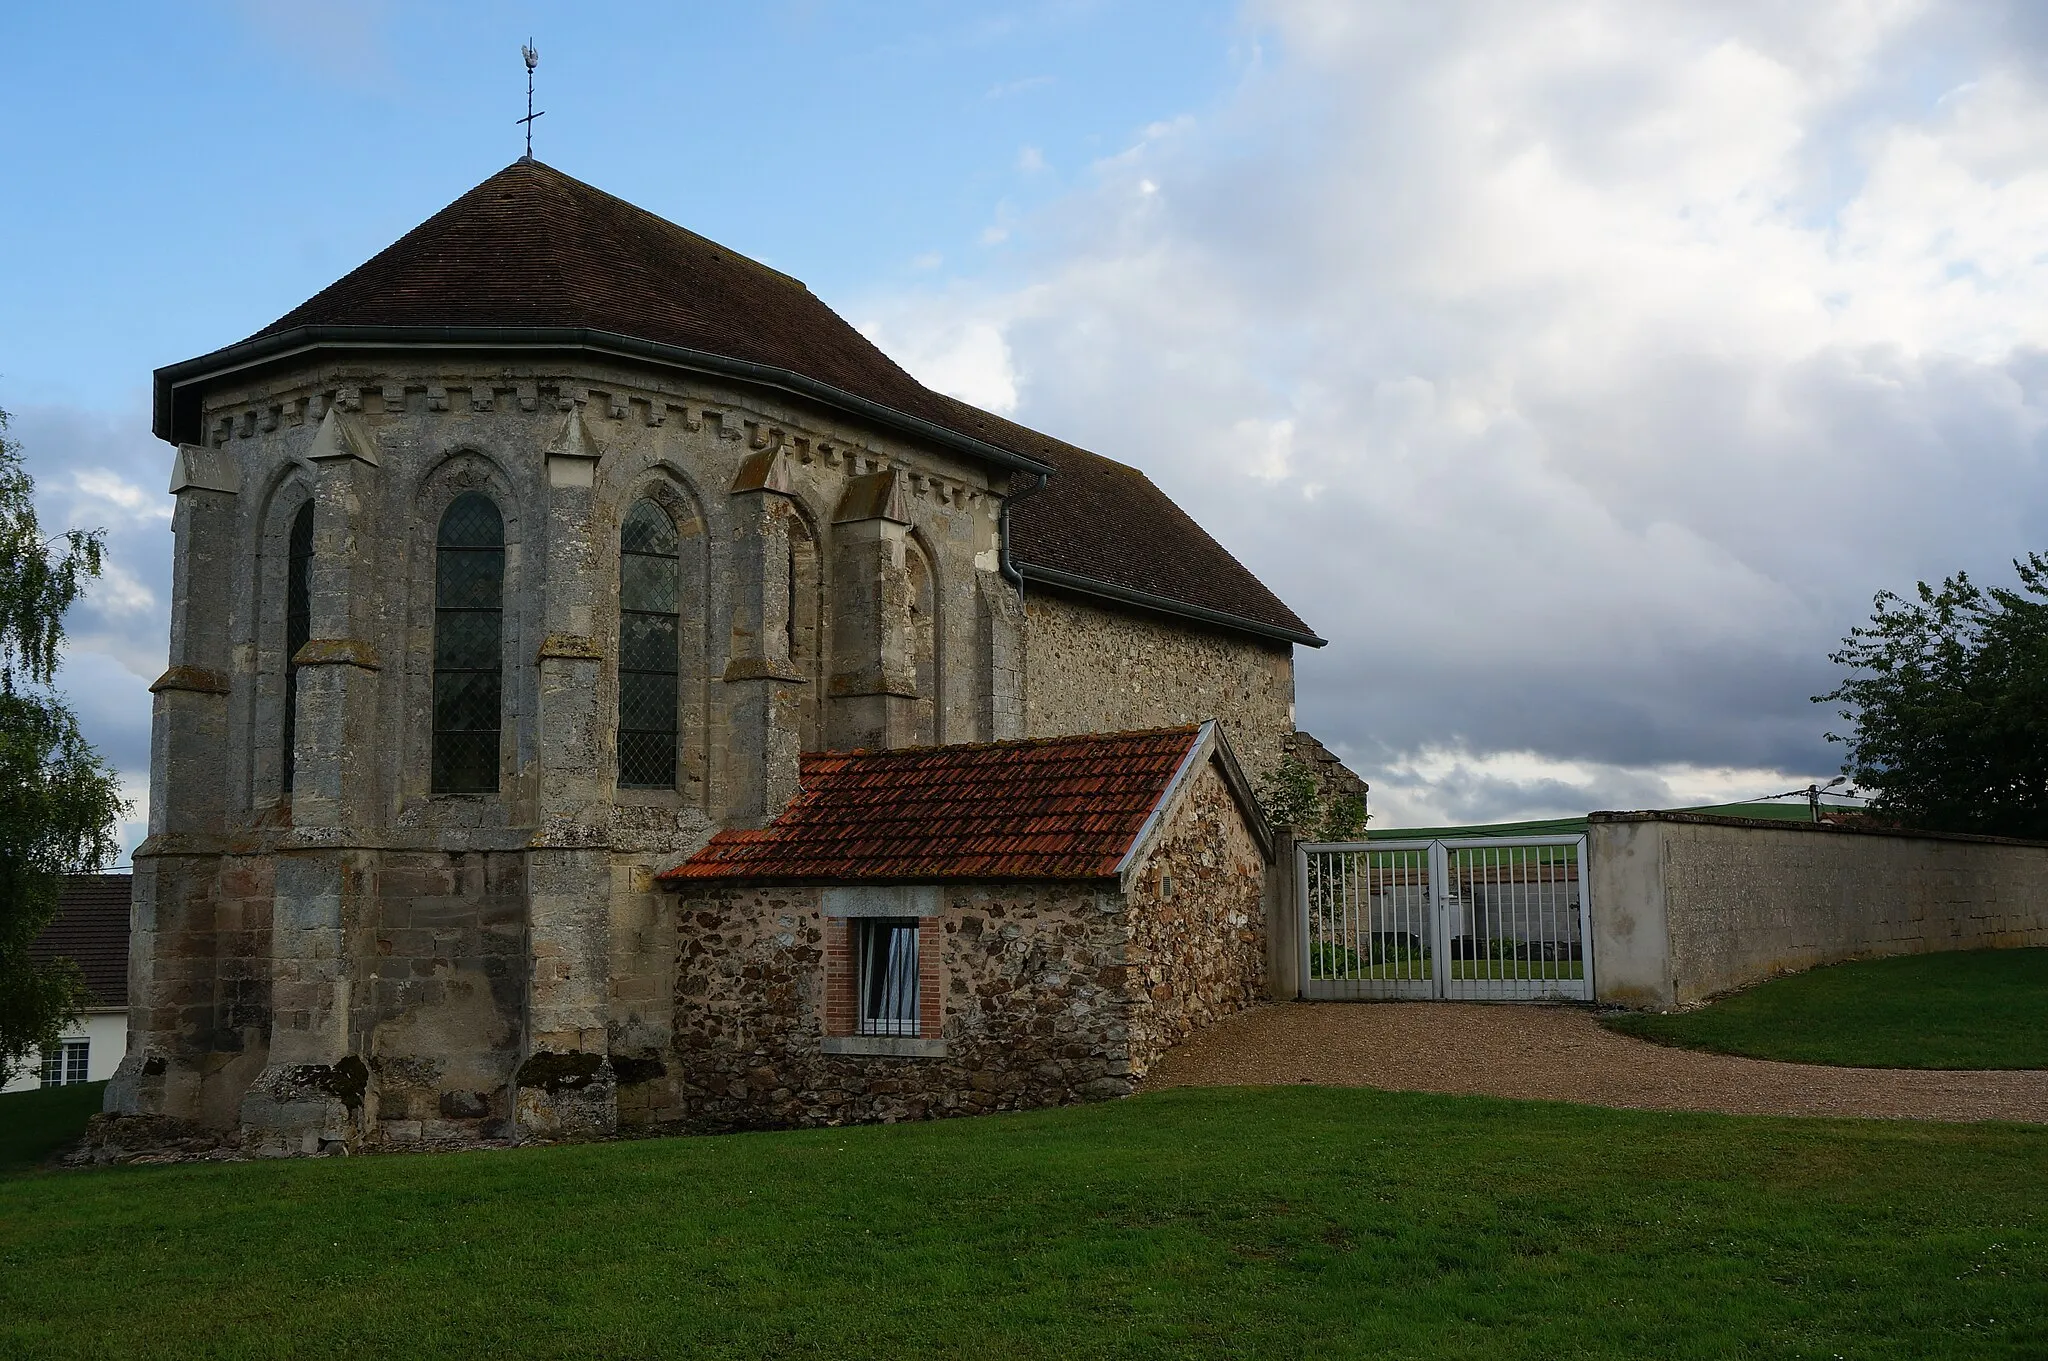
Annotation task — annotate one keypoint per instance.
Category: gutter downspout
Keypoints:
(1009, 568)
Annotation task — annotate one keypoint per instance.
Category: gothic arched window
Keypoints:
(298, 627)
(924, 643)
(649, 658)
(800, 622)
(469, 663)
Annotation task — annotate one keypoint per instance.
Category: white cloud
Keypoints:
(968, 358)
(94, 470)
(112, 491)
(1579, 367)
(1451, 786)
(1031, 161)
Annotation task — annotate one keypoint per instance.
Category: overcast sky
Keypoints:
(1578, 369)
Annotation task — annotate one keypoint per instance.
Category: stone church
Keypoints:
(540, 550)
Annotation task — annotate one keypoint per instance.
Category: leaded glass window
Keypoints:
(648, 640)
(298, 627)
(469, 663)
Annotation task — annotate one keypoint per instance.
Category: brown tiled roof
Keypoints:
(91, 926)
(534, 249)
(1050, 808)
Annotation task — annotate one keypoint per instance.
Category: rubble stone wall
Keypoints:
(1197, 951)
(1089, 668)
(1033, 1011)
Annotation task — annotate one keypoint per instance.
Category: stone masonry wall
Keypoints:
(443, 995)
(1033, 1011)
(1093, 669)
(1683, 910)
(438, 942)
(1197, 951)
(357, 956)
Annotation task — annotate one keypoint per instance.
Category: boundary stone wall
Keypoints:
(1687, 906)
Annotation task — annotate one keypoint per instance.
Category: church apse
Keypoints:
(479, 709)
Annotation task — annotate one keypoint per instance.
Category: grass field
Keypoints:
(1973, 1009)
(1205, 1223)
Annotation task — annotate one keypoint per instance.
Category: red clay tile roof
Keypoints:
(91, 926)
(1049, 808)
(533, 248)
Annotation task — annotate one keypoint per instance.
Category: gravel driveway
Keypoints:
(1554, 1053)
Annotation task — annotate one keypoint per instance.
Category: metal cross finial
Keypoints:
(532, 56)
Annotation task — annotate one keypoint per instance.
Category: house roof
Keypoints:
(91, 926)
(534, 258)
(1048, 808)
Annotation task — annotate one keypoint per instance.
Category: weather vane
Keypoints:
(532, 60)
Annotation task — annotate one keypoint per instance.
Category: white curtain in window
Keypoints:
(888, 981)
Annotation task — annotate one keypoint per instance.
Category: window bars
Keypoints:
(469, 599)
(648, 648)
(887, 953)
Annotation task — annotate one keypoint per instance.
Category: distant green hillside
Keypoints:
(1787, 812)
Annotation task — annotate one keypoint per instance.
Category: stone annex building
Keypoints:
(516, 572)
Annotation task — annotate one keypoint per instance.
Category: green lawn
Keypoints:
(35, 1124)
(1974, 1009)
(1251, 1222)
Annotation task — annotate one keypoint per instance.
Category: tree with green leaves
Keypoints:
(1948, 695)
(1292, 797)
(59, 802)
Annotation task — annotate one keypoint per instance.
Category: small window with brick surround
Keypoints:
(886, 951)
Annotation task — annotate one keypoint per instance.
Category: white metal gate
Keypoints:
(1485, 919)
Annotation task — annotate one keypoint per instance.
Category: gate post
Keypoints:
(1440, 919)
(1283, 920)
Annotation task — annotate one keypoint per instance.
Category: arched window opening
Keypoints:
(649, 652)
(800, 623)
(924, 643)
(298, 627)
(469, 663)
